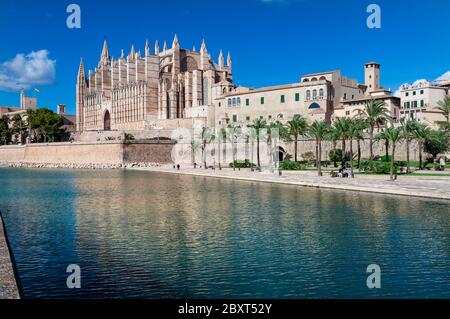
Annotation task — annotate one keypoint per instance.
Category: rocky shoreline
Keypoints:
(76, 165)
(8, 284)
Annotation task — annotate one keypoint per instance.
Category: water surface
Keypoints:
(151, 235)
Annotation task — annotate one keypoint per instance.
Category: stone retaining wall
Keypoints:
(108, 153)
(8, 285)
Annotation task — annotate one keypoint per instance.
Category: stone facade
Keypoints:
(135, 92)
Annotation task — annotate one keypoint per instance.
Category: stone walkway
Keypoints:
(435, 187)
(8, 285)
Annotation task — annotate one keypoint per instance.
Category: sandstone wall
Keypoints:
(89, 153)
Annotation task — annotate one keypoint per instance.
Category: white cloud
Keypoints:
(26, 71)
(444, 77)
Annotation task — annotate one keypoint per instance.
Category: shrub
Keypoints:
(242, 164)
(386, 158)
(129, 137)
(291, 166)
(375, 167)
(335, 156)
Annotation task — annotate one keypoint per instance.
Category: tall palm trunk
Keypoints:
(218, 151)
(344, 147)
(334, 150)
(408, 170)
(257, 150)
(386, 144)
(371, 141)
(392, 161)
(359, 153)
(319, 157)
(351, 158)
(420, 155)
(295, 147)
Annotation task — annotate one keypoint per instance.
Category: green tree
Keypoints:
(45, 124)
(420, 135)
(342, 126)
(222, 138)
(5, 131)
(334, 136)
(206, 137)
(409, 130)
(444, 107)
(319, 131)
(234, 133)
(19, 126)
(394, 135)
(356, 129)
(375, 113)
(258, 125)
(298, 126)
(436, 143)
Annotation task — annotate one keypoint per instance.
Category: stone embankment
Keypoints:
(76, 166)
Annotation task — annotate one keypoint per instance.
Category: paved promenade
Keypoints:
(8, 286)
(435, 187)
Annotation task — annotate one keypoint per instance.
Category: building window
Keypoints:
(282, 99)
(235, 118)
(308, 95)
(321, 93)
(297, 97)
(414, 104)
(247, 118)
(270, 117)
(421, 92)
(247, 102)
(407, 94)
(422, 103)
(234, 101)
(347, 112)
(220, 104)
(229, 102)
(262, 100)
(414, 93)
(314, 106)
(314, 94)
(239, 101)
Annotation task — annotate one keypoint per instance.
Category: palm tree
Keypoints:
(356, 132)
(234, 133)
(194, 146)
(342, 126)
(444, 107)
(334, 136)
(258, 125)
(420, 135)
(19, 126)
(409, 128)
(206, 136)
(394, 135)
(297, 126)
(222, 136)
(375, 113)
(319, 130)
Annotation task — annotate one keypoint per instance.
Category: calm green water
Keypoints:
(150, 235)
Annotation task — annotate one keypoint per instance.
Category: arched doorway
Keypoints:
(107, 121)
(279, 154)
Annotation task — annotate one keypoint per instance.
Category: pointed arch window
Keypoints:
(314, 94)
(308, 95)
(321, 93)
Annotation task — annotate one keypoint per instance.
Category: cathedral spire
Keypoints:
(132, 54)
(104, 59)
(81, 72)
(193, 49)
(203, 48)
(147, 48)
(229, 59)
(221, 59)
(122, 55)
(165, 46)
(156, 47)
(175, 43)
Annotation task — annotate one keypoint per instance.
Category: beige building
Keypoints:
(318, 96)
(138, 92)
(420, 102)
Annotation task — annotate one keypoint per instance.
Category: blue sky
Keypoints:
(271, 42)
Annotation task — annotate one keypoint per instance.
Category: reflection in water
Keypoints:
(142, 234)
